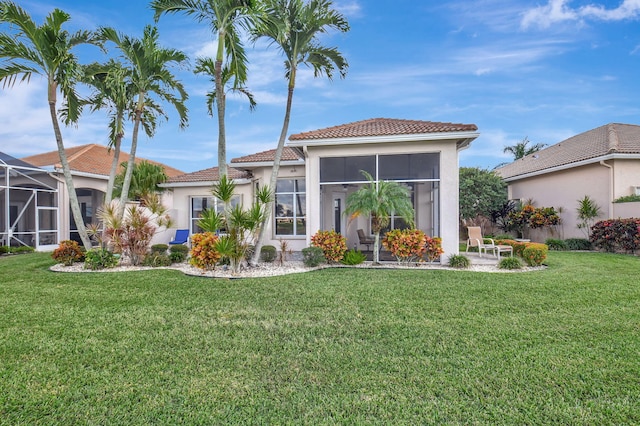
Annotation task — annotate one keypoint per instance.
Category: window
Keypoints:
(290, 205)
(199, 204)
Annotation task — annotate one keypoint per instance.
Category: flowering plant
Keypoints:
(433, 248)
(406, 244)
(333, 245)
(204, 254)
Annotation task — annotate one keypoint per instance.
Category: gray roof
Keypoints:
(610, 140)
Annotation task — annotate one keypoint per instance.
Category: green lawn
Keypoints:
(337, 346)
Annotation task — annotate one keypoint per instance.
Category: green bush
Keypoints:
(353, 257)
(268, 254)
(510, 263)
(156, 260)
(556, 244)
(578, 244)
(4, 249)
(19, 250)
(159, 248)
(179, 248)
(459, 261)
(313, 256)
(100, 259)
(535, 253)
(627, 199)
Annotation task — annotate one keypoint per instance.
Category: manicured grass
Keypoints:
(345, 346)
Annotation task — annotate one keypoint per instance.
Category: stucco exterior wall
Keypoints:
(562, 190)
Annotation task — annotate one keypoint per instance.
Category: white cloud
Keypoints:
(556, 11)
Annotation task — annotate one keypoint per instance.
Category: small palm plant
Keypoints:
(380, 199)
(588, 211)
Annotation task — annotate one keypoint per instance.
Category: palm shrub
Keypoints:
(204, 254)
(68, 252)
(332, 244)
(588, 210)
(380, 199)
(459, 261)
(353, 257)
(406, 245)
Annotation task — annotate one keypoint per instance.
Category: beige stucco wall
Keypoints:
(562, 190)
(448, 184)
(79, 182)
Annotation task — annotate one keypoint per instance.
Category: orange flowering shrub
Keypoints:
(433, 248)
(333, 245)
(204, 254)
(535, 253)
(406, 245)
(67, 253)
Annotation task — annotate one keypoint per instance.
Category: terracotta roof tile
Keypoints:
(208, 175)
(608, 139)
(383, 127)
(288, 154)
(91, 158)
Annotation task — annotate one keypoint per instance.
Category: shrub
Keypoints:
(68, 252)
(459, 261)
(510, 263)
(535, 253)
(159, 248)
(313, 256)
(578, 244)
(433, 248)
(406, 244)
(616, 235)
(21, 249)
(556, 244)
(204, 254)
(332, 244)
(268, 253)
(157, 259)
(353, 257)
(627, 199)
(4, 249)
(100, 259)
(178, 253)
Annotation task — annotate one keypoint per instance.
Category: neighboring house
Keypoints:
(319, 169)
(90, 165)
(603, 163)
(28, 205)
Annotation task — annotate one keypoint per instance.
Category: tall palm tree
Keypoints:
(149, 75)
(294, 27)
(225, 17)
(380, 199)
(47, 50)
(522, 148)
(207, 66)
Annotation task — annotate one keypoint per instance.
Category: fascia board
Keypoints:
(419, 137)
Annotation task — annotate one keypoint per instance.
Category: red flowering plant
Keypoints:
(204, 254)
(333, 245)
(406, 245)
(433, 248)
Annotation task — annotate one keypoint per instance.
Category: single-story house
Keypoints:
(602, 163)
(90, 165)
(28, 205)
(320, 168)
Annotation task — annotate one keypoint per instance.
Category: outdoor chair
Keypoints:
(485, 244)
(181, 237)
(364, 240)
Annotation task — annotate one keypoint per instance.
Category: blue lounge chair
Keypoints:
(181, 237)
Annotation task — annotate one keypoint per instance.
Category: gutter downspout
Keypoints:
(611, 187)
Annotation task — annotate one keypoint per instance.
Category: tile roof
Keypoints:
(288, 154)
(383, 127)
(613, 138)
(208, 175)
(90, 158)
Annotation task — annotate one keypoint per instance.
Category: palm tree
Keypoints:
(380, 199)
(225, 17)
(294, 27)
(521, 149)
(149, 75)
(47, 50)
(207, 66)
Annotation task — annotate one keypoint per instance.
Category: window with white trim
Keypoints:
(290, 207)
(199, 204)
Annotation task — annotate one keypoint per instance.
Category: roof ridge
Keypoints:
(613, 140)
(81, 151)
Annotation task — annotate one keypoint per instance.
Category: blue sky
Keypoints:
(542, 69)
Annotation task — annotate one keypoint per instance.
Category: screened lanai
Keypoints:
(28, 205)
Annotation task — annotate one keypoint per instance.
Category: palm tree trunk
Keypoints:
(114, 168)
(220, 103)
(126, 184)
(66, 170)
(276, 168)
